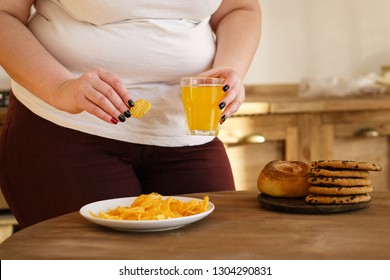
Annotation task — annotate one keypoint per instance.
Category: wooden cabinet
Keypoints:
(243, 138)
(359, 135)
(306, 129)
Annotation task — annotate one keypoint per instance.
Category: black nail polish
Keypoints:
(130, 102)
(223, 119)
(221, 105)
(127, 114)
(121, 118)
(225, 88)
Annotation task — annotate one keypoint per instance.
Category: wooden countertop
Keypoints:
(283, 98)
(239, 228)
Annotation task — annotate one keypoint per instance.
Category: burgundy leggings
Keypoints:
(47, 170)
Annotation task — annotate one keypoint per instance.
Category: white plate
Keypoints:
(143, 225)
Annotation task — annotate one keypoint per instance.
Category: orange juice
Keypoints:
(200, 103)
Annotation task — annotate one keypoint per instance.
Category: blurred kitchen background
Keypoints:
(317, 88)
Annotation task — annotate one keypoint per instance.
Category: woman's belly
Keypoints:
(138, 50)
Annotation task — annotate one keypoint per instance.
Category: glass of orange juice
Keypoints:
(201, 97)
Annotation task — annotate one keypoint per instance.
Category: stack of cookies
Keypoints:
(340, 181)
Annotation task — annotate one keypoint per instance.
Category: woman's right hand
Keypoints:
(98, 92)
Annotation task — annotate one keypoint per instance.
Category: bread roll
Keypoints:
(284, 179)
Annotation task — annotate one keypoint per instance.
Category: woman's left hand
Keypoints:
(234, 88)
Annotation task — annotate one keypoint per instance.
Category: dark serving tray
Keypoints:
(299, 205)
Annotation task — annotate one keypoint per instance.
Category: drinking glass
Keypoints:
(201, 97)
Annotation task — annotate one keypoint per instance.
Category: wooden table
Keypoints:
(239, 228)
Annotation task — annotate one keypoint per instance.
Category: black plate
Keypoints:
(299, 205)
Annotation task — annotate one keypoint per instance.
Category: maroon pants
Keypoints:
(48, 170)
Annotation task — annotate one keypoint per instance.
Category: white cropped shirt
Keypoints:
(149, 44)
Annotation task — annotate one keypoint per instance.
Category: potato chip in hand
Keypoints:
(140, 108)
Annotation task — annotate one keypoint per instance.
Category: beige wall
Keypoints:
(321, 38)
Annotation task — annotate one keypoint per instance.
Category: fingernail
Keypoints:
(221, 105)
(127, 114)
(114, 120)
(130, 102)
(223, 119)
(225, 88)
(121, 118)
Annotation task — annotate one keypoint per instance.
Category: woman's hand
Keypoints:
(98, 92)
(234, 88)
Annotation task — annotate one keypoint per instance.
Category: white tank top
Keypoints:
(149, 44)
